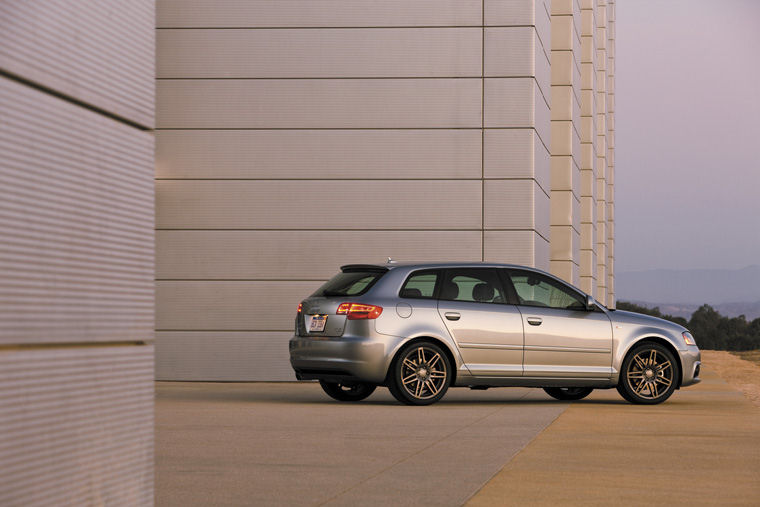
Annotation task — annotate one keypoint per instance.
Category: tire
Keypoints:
(349, 391)
(420, 374)
(649, 374)
(568, 393)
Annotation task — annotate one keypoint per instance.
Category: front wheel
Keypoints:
(568, 393)
(420, 375)
(649, 374)
(349, 391)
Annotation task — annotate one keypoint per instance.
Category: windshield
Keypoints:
(349, 284)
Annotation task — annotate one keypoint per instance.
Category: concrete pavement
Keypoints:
(289, 444)
(701, 447)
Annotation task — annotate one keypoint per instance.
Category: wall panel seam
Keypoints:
(72, 100)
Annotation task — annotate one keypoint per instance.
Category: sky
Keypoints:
(687, 134)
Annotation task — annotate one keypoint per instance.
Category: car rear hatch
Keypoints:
(325, 312)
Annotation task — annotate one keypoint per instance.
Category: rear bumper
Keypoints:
(357, 358)
(691, 364)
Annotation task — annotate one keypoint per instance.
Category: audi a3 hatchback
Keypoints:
(419, 329)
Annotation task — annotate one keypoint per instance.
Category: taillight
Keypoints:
(300, 307)
(356, 311)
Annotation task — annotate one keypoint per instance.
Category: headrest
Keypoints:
(483, 292)
(450, 291)
(411, 293)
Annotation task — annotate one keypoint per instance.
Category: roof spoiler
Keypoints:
(372, 268)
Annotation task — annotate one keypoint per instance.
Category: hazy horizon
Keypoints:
(687, 121)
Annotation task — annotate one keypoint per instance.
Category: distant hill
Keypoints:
(749, 310)
(680, 292)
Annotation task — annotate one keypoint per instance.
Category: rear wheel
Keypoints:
(348, 391)
(568, 393)
(420, 375)
(648, 375)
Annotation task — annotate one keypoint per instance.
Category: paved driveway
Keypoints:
(289, 444)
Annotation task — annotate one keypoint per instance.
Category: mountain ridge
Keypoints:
(731, 292)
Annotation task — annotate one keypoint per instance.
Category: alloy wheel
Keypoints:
(421, 374)
(649, 374)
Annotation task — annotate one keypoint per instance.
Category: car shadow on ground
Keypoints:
(211, 393)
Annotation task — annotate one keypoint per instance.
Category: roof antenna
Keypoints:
(390, 261)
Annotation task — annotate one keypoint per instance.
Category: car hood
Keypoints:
(623, 317)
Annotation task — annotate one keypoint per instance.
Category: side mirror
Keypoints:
(590, 303)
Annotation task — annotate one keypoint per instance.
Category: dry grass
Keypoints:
(749, 355)
(740, 369)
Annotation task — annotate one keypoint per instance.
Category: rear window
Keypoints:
(354, 283)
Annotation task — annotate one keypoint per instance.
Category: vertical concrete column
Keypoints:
(611, 153)
(601, 155)
(565, 139)
(516, 131)
(588, 148)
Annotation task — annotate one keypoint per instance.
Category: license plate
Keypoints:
(317, 324)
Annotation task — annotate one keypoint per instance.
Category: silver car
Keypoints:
(422, 328)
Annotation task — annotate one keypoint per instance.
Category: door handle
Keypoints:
(534, 321)
(452, 315)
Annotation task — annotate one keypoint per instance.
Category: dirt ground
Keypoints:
(740, 373)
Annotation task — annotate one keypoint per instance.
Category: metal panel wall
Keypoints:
(335, 154)
(296, 136)
(76, 198)
(77, 426)
(76, 253)
(99, 53)
(317, 13)
(308, 255)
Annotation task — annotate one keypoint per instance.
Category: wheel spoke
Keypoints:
(431, 387)
(652, 357)
(663, 366)
(434, 360)
(418, 389)
(437, 374)
(640, 386)
(409, 379)
(663, 380)
(409, 364)
(653, 389)
(639, 362)
(420, 355)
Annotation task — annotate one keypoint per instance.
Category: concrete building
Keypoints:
(76, 252)
(296, 136)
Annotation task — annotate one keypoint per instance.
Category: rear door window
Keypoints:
(420, 285)
(477, 285)
(353, 283)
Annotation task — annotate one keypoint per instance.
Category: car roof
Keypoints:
(437, 265)
(412, 266)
